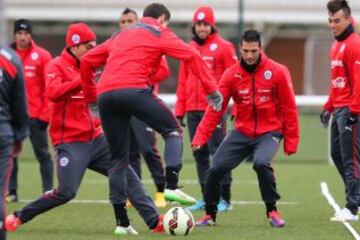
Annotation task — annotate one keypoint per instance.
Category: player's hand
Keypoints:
(325, 118)
(17, 148)
(351, 121)
(232, 118)
(288, 153)
(181, 121)
(195, 147)
(215, 100)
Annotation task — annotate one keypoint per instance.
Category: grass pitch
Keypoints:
(304, 208)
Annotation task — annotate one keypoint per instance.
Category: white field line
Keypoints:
(89, 201)
(182, 181)
(331, 201)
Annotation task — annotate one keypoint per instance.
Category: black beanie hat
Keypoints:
(22, 24)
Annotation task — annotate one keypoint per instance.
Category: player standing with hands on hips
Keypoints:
(218, 54)
(34, 59)
(344, 105)
(266, 113)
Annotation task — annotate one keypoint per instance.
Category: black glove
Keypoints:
(181, 121)
(40, 124)
(232, 118)
(215, 100)
(353, 119)
(324, 118)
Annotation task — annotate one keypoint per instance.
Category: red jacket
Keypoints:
(34, 60)
(70, 117)
(218, 54)
(132, 57)
(265, 102)
(345, 74)
(160, 75)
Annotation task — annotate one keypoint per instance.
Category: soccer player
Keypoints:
(218, 54)
(79, 141)
(34, 60)
(124, 91)
(13, 120)
(266, 113)
(344, 104)
(142, 137)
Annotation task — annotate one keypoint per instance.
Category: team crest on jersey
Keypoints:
(267, 74)
(64, 161)
(34, 56)
(342, 48)
(75, 38)
(213, 46)
(200, 16)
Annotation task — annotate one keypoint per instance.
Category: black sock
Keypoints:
(353, 210)
(154, 223)
(211, 209)
(226, 192)
(172, 177)
(160, 187)
(121, 215)
(13, 192)
(270, 207)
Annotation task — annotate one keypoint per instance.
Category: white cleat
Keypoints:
(178, 196)
(344, 215)
(119, 230)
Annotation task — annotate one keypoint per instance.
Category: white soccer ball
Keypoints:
(178, 221)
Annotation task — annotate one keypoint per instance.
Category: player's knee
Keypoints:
(215, 173)
(176, 132)
(260, 165)
(67, 195)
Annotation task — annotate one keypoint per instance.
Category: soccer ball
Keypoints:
(178, 221)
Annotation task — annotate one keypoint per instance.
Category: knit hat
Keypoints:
(205, 14)
(22, 24)
(79, 33)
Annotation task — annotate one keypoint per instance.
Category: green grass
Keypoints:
(298, 178)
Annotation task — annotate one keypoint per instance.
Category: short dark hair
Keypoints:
(251, 36)
(336, 5)
(156, 10)
(129, 10)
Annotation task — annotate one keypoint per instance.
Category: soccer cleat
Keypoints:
(12, 222)
(159, 226)
(275, 219)
(11, 198)
(224, 206)
(160, 200)
(129, 230)
(344, 215)
(178, 196)
(199, 205)
(207, 220)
